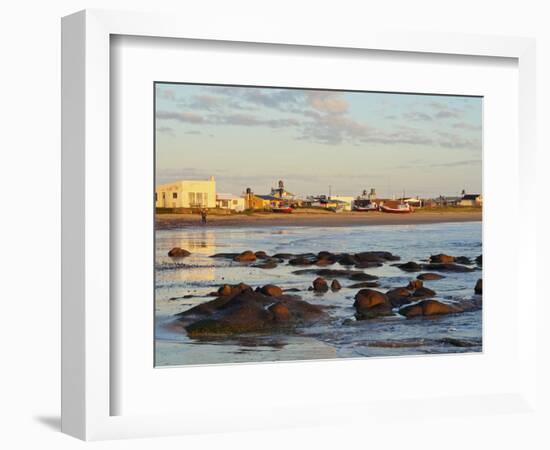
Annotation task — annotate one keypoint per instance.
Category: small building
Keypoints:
(346, 201)
(471, 200)
(230, 201)
(443, 201)
(186, 194)
(414, 202)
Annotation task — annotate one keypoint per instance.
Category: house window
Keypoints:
(191, 198)
(174, 195)
(234, 202)
(205, 198)
(156, 196)
(164, 195)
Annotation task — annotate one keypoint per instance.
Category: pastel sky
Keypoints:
(251, 137)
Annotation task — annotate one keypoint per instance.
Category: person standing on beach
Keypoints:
(204, 213)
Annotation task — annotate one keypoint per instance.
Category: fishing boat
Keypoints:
(400, 208)
(364, 205)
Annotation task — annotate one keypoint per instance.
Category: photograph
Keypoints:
(298, 223)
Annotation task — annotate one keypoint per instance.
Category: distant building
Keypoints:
(255, 201)
(186, 194)
(347, 201)
(281, 193)
(230, 201)
(471, 200)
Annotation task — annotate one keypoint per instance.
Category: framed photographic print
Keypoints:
(253, 218)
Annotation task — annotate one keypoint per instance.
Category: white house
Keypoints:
(347, 201)
(230, 201)
(186, 194)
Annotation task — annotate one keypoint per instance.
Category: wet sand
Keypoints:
(319, 219)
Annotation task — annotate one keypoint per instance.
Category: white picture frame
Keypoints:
(87, 322)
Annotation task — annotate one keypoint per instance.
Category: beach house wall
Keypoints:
(347, 201)
(186, 194)
(230, 201)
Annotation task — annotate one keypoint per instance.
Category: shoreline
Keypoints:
(175, 221)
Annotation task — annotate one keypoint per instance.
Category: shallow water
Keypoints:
(198, 275)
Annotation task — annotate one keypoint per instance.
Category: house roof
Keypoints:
(470, 196)
(268, 197)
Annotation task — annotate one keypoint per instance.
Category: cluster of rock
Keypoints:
(240, 309)
(361, 260)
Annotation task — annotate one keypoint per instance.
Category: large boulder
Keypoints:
(248, 312)
(271, 290)
(260, 254)
(246, 256)
(335, 285)
(429, 308)
(320, 285)
(370, 304)
(442, 258)
(399, 296)
(478, 289)
(178, 252)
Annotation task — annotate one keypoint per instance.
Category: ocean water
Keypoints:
(197, 275)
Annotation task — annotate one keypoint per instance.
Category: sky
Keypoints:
(318, 141)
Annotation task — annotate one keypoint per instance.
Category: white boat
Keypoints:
(401, 208)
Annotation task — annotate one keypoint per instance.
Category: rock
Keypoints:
(225, 255)
(399, 296)
(320, 285)
(267, 264)
(233, 289)
(271, 290)
(370, 304)
(348, 260)
(479, 287)
(445, 267)
(284, 255)
(423, 292)
(261, 255)
(368, 264)
(280, 312)
(429, 276)
(460, 342)
(360, 276)
(463, 260)
(337, 273)
(178, 252)
(479, 260)
(335, 285)
(302, 261)
(428, 308)
(442, 258)
(414, 284)
(376, 256)
(365, 284)
(410, 266)
(248, 312)
(247, 255)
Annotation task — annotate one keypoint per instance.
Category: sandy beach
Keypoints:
(318, 218)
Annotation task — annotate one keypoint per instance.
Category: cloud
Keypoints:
(466, 126)
(169, 131)
(453, 141)
(417, 116)
(193, 132)
(327, 102)
(468, 162)
(166, 93)
(185, 117)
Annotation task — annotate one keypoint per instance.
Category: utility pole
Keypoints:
(329, 191)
